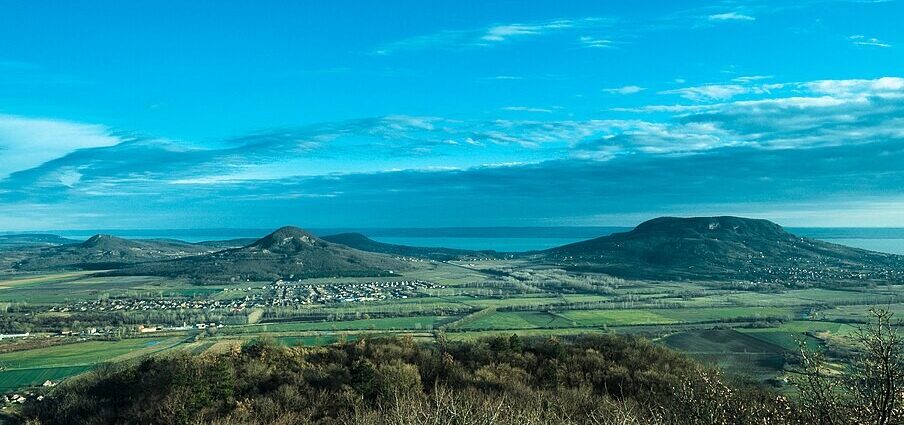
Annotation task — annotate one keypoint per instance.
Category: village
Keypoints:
(278, 294)
(806, 271)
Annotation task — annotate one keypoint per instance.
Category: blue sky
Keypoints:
(202, 114)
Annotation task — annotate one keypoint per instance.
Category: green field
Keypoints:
(505, 320)
(384, 324)
(617, 317)
(733, 351)
(517, 320)
(84, 353)
(33, 367)
(730, 313)
(11, 380)
(40, 279)
(66, 287)
(527, 333)
(744, 331)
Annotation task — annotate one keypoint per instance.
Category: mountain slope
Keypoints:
(287, 253)
(724, 248)
(32, 240)
(359, 241)
(104, 252)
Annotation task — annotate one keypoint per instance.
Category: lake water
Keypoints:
(891, 246)
(504, 239)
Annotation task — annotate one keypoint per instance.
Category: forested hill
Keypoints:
(362, 242)
(724, 248)
(102, 252)
(33, 240)
(287, 253)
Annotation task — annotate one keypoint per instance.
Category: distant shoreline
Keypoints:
(505, 239)
(450, 232)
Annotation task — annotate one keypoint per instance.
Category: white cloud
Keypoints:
(28, 142)
(526, 109)
(492, 35)
(709, 92)
(504, 32)
(804, 115)
(882, 87)
(751, 78)
(821, 92)
(862, 40)
(625, 90)
(731, 16)
(596, 43)
(820, 113)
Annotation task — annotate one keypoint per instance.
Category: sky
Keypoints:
(212, 114)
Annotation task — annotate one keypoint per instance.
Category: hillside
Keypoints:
(724, 248)
(288, 253)
(359, 241)
(32, 240)
(104, 252)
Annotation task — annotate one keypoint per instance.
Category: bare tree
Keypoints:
(820, 399)
(869, 391)
(876, 379)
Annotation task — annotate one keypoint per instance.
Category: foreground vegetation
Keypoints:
(600, 379)
(605, 379)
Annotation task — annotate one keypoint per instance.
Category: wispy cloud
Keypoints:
(499, 33)
(29, 142)
(803, 131)
(751, 78)
(527, 109)
(625, 90)
(731, 16)
(819, 113)
(890, 87)
(814, 184)
(596, 43)
(862, 40)
(493, 35)
(711, 92)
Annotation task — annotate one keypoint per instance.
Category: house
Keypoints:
(14, 335)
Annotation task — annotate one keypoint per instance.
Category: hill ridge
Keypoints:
(287, 238)
(286, 253)
(722, 248)
(364, 243)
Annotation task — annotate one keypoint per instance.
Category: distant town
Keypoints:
(278, 294)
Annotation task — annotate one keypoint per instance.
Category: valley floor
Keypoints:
(748, 331)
